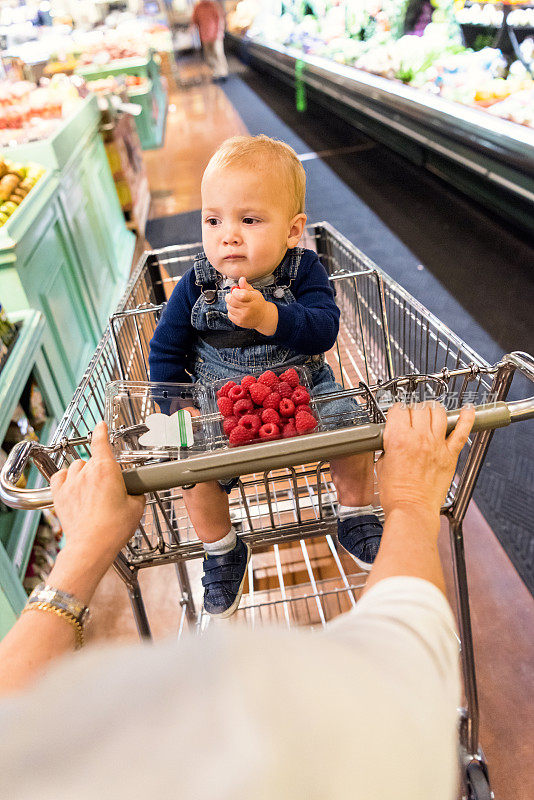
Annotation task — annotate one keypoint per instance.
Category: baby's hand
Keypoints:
(248, 308)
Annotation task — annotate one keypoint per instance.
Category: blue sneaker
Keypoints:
(223, 580)
(360, 537)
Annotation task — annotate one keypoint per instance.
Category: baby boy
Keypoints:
(281, 314)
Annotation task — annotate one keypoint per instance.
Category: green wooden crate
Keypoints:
(39, 270)
(152, 97)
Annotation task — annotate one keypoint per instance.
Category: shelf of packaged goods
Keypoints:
(490, 158)
(21, 361)
(18, 528)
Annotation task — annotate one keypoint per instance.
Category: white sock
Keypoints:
(353, 511)
(223, 545)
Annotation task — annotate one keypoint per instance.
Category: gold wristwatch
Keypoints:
(43, 593)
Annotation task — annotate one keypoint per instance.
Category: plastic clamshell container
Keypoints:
(220, 439)
(129, 403)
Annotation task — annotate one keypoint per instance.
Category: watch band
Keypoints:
(59, 612)
(43, 593)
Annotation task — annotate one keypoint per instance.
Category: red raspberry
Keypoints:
(270, 415)
(287, 407)
(289, 429)
(223, 391)
(237, 393)
(272, 400)
(229, 424)
(248, 381)
(243, 407)
(305, 423)
(269, 431)
(240, 435)
(291, 376)
(269, 379)
(251, 422)
(301, 396)
(225, 406)
(303, 410)
(284, 389)
(258, 393)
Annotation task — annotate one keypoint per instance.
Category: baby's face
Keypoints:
(246, 224)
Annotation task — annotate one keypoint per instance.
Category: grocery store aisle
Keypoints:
(197, 122)
(502, 608)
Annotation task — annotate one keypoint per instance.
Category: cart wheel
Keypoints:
(478, 782)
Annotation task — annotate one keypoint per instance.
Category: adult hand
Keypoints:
(248, 308)
(90, 499)
(98, 518)
(418, 464)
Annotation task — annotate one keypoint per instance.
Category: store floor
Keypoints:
(502, 607)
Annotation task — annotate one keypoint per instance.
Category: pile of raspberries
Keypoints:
(265, 408)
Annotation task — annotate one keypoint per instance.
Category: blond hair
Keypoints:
(241, 151)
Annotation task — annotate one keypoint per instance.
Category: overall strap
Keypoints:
(206, 277)
(286, 271)
(205, 274)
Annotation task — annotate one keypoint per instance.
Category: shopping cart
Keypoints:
(389, 346)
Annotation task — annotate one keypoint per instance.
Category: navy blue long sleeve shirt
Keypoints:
(309, 326)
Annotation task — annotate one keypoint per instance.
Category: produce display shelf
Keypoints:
(464, 145)
(66, 249)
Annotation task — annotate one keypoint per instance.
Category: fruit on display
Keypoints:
(129, 39)
(22, 101)
(15, 182)
(428, 53)
(517, 108)
(265, 408)
(116, 84)
(29, 112)
(485, 14)
(521, 18)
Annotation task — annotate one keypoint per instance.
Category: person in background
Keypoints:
(237, 714)
(418, 16)
(208, 16)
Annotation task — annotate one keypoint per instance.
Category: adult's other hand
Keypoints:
(419, 460)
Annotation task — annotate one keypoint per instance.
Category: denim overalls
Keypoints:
(245, 351)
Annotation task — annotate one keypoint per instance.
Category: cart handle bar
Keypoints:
(240, 460)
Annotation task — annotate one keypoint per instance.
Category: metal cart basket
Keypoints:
(389, 346)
